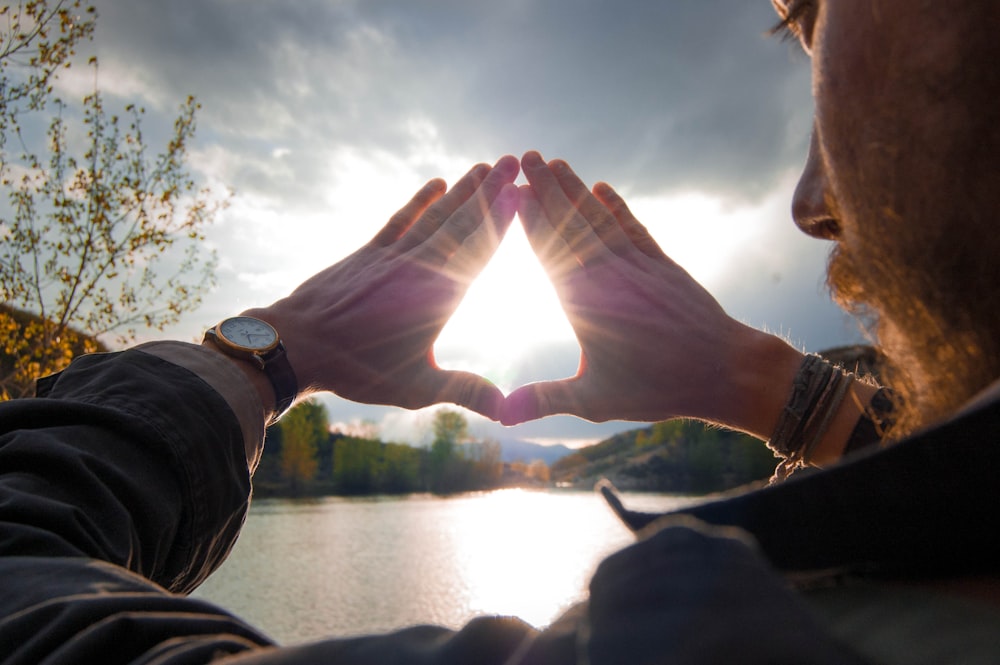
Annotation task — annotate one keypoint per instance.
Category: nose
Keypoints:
(810, 207)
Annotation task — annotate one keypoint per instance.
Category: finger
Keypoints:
(553, 252)
(401, 222)
(601, 220)
(538, 400)
(478, 211)
(435, 215)
(469, 390)
(482, 182)
(635, 231)
(469, 259)
(574, 229)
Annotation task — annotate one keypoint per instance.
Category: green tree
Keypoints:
(446, 458)
(98, 237)
(356, 465)
(400, 469)
(303, 428)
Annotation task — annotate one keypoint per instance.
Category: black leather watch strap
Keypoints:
(279, 372)
(275, 366)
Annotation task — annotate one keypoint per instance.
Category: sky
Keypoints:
(324, 116)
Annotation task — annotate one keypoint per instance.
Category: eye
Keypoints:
(797, 20)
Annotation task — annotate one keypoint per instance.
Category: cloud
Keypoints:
(656, 95)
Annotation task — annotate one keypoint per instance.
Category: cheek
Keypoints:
(856, 133)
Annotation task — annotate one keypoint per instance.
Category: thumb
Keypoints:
(537, 400)
(469, 390)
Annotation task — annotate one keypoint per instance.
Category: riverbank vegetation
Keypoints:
(682, 456)
(302, 457)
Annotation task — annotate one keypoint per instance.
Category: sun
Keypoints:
(512, 310)
(508, 312)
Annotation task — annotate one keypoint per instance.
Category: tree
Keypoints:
(400, 469)
(487, 464)
(356, 465)
(98, 238)
(39, 40)
(302, 430)
(446, 468)
(538, 470)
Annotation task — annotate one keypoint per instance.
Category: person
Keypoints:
(124, 484)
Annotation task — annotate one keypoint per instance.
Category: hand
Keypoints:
(365, 327)
(655, 344)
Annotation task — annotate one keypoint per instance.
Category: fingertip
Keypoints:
(508, 200)
(532, 159)
(527, 202)
(472, 392)
(602, 188)
(479, 172)
(510, 190)
(508, 164)
(492, 406)
(488, 405)
(432, 189)
(520, 406)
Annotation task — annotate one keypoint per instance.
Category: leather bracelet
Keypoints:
(818, 390)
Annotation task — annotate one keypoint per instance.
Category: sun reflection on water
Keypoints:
(517, 555)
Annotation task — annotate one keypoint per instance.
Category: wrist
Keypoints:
(293, 327)
(255, 378)
(760, 370)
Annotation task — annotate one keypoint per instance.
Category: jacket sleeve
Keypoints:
(126, 479)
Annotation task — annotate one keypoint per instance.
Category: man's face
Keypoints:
(904, 175)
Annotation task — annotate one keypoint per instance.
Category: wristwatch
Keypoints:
(258, 342)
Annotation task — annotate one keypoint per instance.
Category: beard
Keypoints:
(931, 309)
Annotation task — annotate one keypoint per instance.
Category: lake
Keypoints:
(308, 569)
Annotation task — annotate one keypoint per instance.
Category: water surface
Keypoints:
(305, 570)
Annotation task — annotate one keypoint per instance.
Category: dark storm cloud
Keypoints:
(659, 95)
(650, 96)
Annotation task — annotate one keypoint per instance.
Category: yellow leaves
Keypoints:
(33, 347)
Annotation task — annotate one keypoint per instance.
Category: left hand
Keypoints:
(365, 327)
(655, 344)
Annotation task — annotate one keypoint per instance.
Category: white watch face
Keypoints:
(248, 332)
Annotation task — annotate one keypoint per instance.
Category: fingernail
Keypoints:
(508, 164)
(532, 158)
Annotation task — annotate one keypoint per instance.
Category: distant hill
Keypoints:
(687, 456)
(680, 456)
(516, 450)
